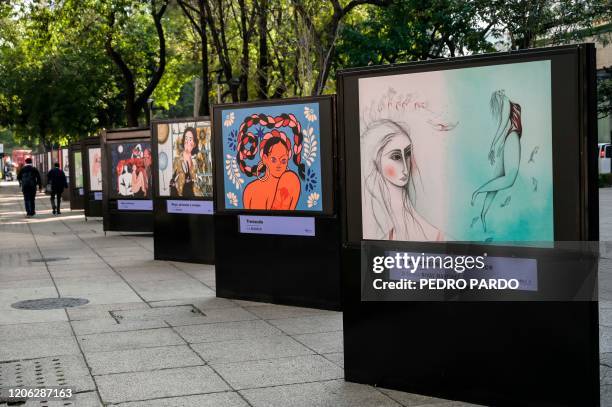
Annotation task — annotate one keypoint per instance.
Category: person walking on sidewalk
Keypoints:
(29, 179)
(57, 179)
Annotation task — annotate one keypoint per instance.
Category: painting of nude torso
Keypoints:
(271, 158)
(458, 155)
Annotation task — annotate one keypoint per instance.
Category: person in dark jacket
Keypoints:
(57, 179)
(29, 179)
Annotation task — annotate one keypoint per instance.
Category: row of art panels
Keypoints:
(291, 198)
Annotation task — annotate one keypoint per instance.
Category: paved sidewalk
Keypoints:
(154, 334)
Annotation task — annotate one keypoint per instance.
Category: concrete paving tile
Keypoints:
(138, 360)
(81, 314)
(276, 372)
(269, 347)
(328, 342)
(193, 266)
(155, 275)
(225, 399)
(129, 340)
(337, 358)
(116, 306)
(30, 283)
(418, 400)
(171, 290)
(107, 297)
(244, 303)
(37, 348)
(14, 316)
(96, 326)
(158, 313)
(201, 303)
(226, 331)
(334, 393)
(138, 386)
(306, 325)
(213, 316)
(605, 339)
(10, 296)
(283, 311)
(37, 330)
(605, 395)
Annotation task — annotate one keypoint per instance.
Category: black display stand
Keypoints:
(77, 194)
(179, 236)
(290, 270)
(66, 193)
(93, 198)
(532, 353)
(114, 218)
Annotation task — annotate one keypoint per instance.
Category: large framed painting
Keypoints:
(130, 175)
(458, 154)
(95, 168)
(184, 159)
(275, 156)
(78, 169)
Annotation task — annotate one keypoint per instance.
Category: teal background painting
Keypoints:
(452, 128)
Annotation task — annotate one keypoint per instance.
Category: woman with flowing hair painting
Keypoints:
(504, 153)
(389, 190)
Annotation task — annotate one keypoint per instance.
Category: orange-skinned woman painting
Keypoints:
(280, 153)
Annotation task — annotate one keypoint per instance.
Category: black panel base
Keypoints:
(77, 201)
(128, 221)
(93, 208)
(289, 270)
(490, 353)
(183, 237)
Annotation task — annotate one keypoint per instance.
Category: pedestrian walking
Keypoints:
(29, 179)
(56, 178)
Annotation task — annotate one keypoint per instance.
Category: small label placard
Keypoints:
(277, 225)
(135, 205)
(81, 191)
(97, 196)
(191, 207)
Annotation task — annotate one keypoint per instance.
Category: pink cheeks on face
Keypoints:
(390, 172)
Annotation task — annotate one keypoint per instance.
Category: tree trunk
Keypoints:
(205, 103)
(262, 62)
(244, 68)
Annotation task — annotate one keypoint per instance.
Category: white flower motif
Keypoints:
(229, 119)
(233, 173)
(313, 199)
(310, 114)
(233, 199)
(309, 152)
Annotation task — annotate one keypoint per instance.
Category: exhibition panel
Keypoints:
(492, 158)
(276, 221)
(183, 185)
(75, 177)
(92, 167)
(65, 166)
(127, 180)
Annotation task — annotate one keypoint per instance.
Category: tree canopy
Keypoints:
(71, 67)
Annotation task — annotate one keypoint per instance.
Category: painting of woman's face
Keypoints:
(189, 142)
(276, 160)
(395, 160)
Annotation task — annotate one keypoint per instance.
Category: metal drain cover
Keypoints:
(50, 303)
(48, 259)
